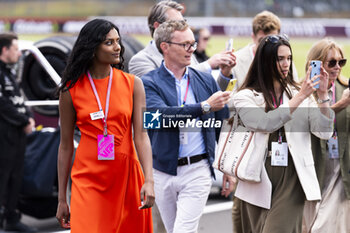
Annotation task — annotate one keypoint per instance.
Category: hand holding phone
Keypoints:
(315, 70)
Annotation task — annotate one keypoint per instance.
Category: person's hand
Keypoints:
(218, 100)
(346, 97)
(322, 91)
(227, 185)
(63, 215)
(147, 195)
(226, 58)
(308, 85)
(29, 127)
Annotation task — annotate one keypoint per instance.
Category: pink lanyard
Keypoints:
(275, 105)
(104, 119)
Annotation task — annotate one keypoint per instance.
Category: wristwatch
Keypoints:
(205, 107)
(322, 101)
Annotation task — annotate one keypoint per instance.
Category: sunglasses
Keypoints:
(206, 38)
(334, 62)
(275, 38)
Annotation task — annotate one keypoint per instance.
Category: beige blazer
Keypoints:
(250, 106)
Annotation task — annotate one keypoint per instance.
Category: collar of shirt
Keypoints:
(330, 94)
(172, 74)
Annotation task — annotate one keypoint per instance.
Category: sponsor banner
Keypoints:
(22, 26)
(218, 25)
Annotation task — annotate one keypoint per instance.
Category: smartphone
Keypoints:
(349, 83)
(229, 45)
(231, 85)
(315, 70)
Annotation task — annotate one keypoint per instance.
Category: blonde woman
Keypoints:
(332, 157)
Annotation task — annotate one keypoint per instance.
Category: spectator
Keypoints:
(15, 123)
(265, 23)
(182, 156)
(273, 105)
(202, 36)
(332, 213)
(110, 191)
(150, 58)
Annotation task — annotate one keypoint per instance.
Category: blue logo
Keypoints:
(151, 120)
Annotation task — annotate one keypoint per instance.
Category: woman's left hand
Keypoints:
(324, 79)
(147, 195)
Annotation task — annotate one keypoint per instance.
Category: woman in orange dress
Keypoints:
(110, 191)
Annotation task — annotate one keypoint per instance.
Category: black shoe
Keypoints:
(19, 227)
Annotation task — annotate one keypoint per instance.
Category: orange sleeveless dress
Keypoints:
(106, 193)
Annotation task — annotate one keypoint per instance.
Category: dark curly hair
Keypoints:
(90, 37)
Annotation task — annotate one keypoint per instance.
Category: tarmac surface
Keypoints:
(216, 218)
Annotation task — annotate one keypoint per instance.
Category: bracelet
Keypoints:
(322, 101)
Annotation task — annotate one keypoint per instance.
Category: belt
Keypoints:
(191, 159)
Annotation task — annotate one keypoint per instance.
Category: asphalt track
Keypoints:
(216, 218)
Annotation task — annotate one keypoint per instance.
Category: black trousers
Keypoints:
(12, 150)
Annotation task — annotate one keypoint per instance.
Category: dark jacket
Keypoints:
(12, 109)
(161, 94)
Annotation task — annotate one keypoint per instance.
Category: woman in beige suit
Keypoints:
(273, 105)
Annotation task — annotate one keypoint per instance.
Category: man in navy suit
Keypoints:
(191, 108)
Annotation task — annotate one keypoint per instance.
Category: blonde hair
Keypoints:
(320, 49)
(266, 21)
(165, 31)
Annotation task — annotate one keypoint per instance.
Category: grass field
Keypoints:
(300, 48)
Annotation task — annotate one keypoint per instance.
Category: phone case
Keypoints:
(229, 45)
(231, 85)
(316, 70)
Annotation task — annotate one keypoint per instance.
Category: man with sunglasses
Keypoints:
(182, 153)
(202, 36)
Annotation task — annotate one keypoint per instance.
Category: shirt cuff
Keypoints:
(207, 66)
(226, 78)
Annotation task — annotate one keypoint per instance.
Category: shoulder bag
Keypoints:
(240, 152)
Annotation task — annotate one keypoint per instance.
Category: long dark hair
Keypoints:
(263, 70)
(90, 37)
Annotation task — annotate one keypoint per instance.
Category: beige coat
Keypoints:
(250, 106)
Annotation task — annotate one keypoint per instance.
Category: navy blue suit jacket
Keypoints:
(161, 94)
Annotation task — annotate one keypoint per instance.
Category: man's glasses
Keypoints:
(187, 46)
(334, 62)
(275, 38)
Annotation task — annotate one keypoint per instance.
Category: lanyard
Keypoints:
(333, 102)
(275, 105)
(104, 119)
(274, 100)
(188, 84)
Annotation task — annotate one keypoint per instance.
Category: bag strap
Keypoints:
(223, 148)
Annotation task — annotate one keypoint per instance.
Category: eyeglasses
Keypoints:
(275, 38)
(187, 46)
(334, 62)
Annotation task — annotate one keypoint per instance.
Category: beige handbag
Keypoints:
(240, 152)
